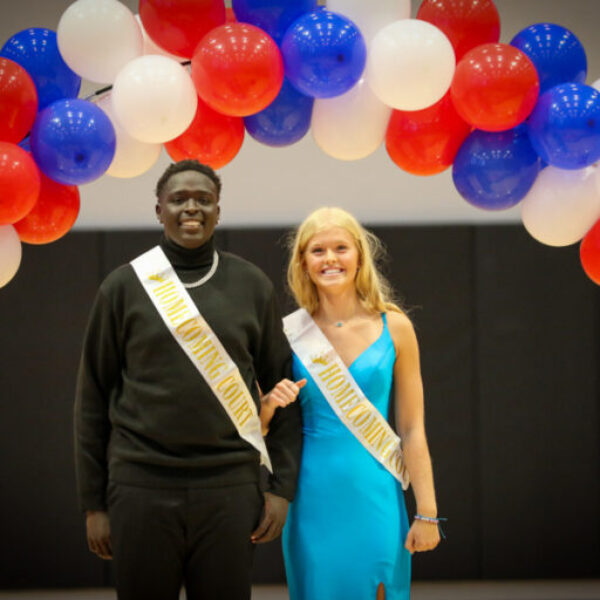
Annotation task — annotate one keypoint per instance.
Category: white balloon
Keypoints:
(154, 99)
(148, 45)
(562, 205)
(350, 126)
(369, 18)
(596, 85)
(10, 253)
(132, 157)
(410, 64)
(96, 38)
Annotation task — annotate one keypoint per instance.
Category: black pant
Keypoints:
(200, 538)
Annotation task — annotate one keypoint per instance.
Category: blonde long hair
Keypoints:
(374, 291)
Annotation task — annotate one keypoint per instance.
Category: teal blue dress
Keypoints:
(347, 525)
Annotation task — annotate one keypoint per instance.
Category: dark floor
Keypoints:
(468, 590)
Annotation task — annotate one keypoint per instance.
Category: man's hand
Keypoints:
(98, 533)
(273, 519)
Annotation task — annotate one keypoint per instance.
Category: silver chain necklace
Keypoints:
(206, 277)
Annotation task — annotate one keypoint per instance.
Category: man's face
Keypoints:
(188, 208)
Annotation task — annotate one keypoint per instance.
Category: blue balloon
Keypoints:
(73, 141)
(285, 121)
(273, 16)
(564, 126)
(495, 170)
(36, 50)
(26, 144)
(556, 52)
(324, 54)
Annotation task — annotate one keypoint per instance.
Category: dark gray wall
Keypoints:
(509, 334)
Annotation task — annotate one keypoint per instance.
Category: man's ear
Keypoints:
(158, 210)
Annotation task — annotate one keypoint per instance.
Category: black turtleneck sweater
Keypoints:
(143, 413)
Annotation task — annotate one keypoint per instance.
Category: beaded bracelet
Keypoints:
(436, 520)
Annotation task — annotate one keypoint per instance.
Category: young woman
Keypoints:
(347, 536)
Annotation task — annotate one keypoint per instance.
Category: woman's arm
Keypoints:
(410, 422)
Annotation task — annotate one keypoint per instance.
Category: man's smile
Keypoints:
(191, 225)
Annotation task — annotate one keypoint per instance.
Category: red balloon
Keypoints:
(18, 101)
(212, 138)
(425, 142)
(178, 25)
(230, 15)
(53, 214)
(495, 87)
(466, 23)
(19, 183)
(589, 252)
(237, 69)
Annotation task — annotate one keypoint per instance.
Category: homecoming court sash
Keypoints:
(202, 346)
(343, 394)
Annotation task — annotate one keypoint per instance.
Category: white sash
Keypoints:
(343, 394)
(202, 346)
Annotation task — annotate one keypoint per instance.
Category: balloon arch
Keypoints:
(515, 122)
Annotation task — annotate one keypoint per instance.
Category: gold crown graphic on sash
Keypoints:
(323, 358)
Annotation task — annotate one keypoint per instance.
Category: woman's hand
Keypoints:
(422, 536)
(284, 393)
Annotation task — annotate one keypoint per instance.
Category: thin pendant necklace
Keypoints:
(205, 278)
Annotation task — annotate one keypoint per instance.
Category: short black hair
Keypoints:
(187, 165)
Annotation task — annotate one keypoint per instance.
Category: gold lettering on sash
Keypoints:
(243, 413)
(329, 372)
(176, 307)
(166, 288)
(371, 429)
(201, 345)
(161, 288)
(386, 448)
(361, 418)
(349, 403)
(344, 392)
(381, 434)
(213, 363)
(204, 349)
(369, 426)
(198, 346)
(190, 329)
(359, 406)
(237, 400)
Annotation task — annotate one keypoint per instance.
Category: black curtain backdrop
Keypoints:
(509, 335)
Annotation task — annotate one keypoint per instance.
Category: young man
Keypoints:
(167, 435)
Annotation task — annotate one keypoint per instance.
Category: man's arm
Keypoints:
(98, 377)
(284, 440)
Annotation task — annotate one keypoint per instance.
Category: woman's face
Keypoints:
(331, 259)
